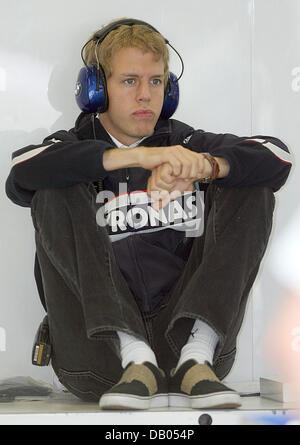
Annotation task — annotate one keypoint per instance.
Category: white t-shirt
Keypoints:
(120, 145)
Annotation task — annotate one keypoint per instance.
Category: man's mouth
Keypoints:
(143, 114)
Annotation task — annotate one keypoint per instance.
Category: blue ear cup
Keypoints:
(171, 98)
(91, 91)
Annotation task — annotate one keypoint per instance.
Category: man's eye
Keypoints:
(156, 81)
(129, 81)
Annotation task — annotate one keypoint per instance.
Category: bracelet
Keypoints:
(215, 168)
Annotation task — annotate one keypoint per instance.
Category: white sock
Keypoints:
(200, 345)
(134, 350)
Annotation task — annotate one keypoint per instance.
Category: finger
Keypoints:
(165, 199)
(161, 202)
(149, 185)
(156, 183)
(201, 166)
(171, 197)
(189, 165)
(194, 169)
(173, 156)
(194, 164)
(174, 194)
(160, 199)
(162, 179)
(185, 167)
(166, 173)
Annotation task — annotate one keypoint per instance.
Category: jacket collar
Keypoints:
(84, 128)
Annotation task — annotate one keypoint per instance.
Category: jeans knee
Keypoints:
(244, 210)
(46, 199)
(58, 202)
(253, 198)
(55, 195)
(267, 199)
(262, 200)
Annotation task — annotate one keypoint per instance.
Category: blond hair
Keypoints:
(126, 36)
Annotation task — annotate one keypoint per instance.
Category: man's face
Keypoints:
(136, 94)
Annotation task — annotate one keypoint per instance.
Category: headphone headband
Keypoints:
(102, 33)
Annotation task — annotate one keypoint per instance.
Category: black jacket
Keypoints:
(66, 158)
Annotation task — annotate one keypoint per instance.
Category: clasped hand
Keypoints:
(175, 174)
(164, 187)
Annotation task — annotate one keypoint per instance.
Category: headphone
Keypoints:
(91, 88)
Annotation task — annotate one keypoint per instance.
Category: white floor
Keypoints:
(65, 409)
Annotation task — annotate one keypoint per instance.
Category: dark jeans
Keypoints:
(88, 298)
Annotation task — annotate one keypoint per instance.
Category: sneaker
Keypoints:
(141, 387)
(195, 385)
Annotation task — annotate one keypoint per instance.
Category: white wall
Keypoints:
(241, 59)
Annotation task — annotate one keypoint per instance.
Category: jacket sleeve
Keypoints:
(256, 160)
(62, 160)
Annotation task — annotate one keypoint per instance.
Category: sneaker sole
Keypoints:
(214, 400)
(124, 401)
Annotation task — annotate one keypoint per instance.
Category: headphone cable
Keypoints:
(182, 64)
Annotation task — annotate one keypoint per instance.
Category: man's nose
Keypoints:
(143, 92)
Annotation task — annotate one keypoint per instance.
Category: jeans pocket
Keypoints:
(86, 385)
